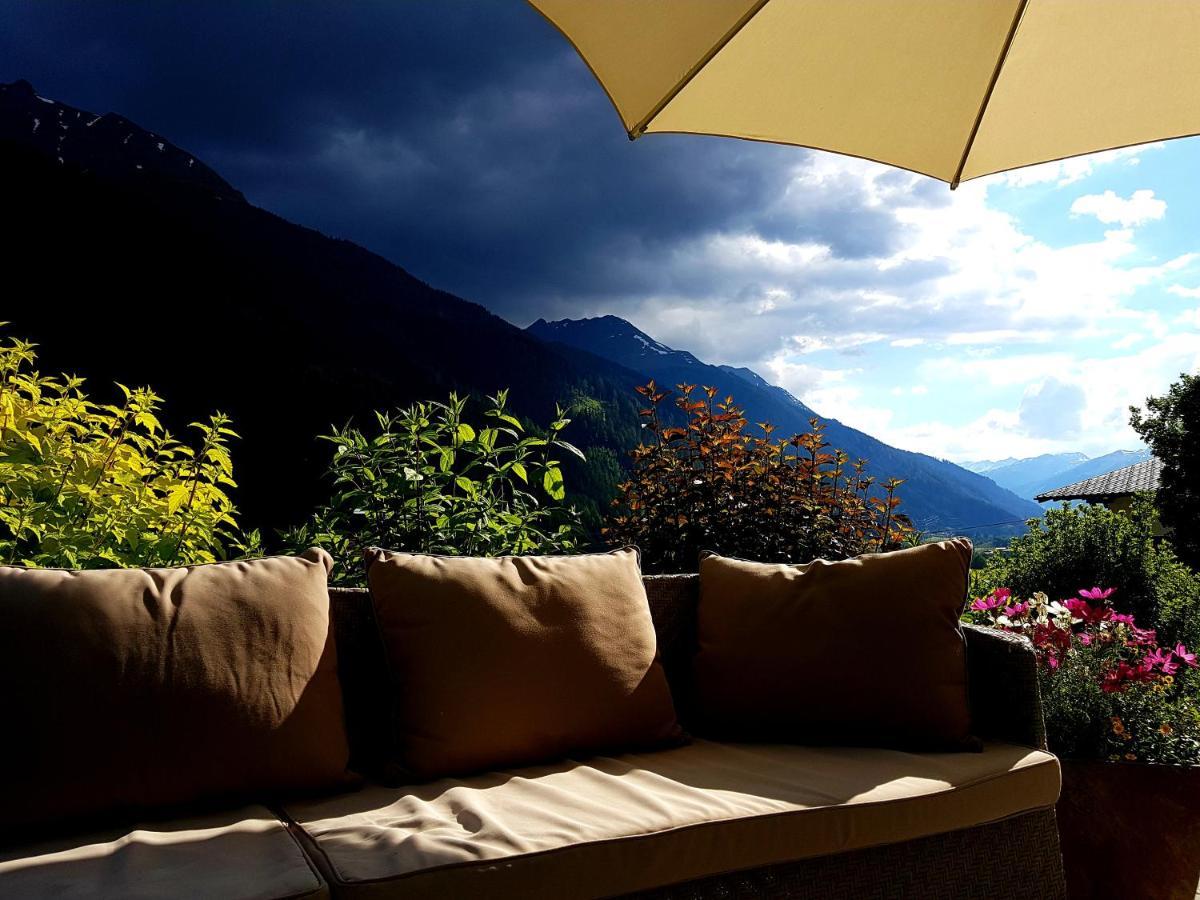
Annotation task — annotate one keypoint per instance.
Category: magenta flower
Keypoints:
(1017, 609)
(995, 599)
(1097, 593)
(1052, 642)
(1142, 637)
(1163, 659)
(1188, 659)
(1091, 615)
(1086, 639)
(1121, 619)
(1117, 677)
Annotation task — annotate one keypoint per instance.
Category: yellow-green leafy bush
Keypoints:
(85, 484)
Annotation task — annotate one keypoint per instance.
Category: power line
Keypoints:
(955, 528)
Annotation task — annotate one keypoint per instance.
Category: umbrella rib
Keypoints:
(987, 96)
(640, 128)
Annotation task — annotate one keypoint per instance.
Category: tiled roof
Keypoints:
(1141, 476)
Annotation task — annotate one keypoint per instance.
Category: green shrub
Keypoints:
(94, 485)
(709, 485)
(1091, 545)
(428, 481)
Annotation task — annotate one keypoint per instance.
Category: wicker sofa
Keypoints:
(706, 820)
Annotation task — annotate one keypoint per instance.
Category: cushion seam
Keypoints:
(288, 824)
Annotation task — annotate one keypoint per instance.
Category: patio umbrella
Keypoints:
(954, 89)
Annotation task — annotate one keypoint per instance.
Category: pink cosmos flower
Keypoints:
(1017, 609)
(1163, 659)
(1091, 615)
(1188, 659)
(1142, 637)
(1052, 642)
(1117, 677)
(1085, 639)
(1097, 593)
(995, 599)
(1121, 619)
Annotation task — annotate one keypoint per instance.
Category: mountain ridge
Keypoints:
(133, 265)
(938, 496)
(139, 276)
(1034, 475)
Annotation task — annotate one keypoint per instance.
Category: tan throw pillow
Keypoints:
(129, 689)
(516, 660)
(864, 651)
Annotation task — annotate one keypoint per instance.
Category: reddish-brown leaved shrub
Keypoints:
(708, 484)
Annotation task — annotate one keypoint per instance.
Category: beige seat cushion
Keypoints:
(609, 825)
(243, 854)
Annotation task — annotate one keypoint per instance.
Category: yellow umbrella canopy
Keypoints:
(954, 89)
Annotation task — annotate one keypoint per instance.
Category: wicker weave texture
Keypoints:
(1015, 859)
(1006, 701)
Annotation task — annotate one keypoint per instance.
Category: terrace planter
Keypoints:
(1130, 830)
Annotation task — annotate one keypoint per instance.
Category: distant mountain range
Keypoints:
(937, 494)
(1032, 476)
(128, 259)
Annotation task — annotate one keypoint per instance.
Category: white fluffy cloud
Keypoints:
(1023, 345)
(1052, 408)
(1068, 171)
(1142, 206)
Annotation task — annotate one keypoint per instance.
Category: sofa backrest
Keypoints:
(366, 681)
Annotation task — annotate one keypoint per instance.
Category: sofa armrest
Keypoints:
(1006, 702)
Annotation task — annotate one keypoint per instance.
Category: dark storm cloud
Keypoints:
(465, 141)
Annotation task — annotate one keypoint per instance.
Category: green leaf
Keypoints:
(571, 448)
(552, 481)
(519, 470)
(177, 498)
(465, 432)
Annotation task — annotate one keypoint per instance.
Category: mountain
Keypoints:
(1034, 475)
(1046, 464)
(938, 495)
(107, 145)
(1023, 476)
(132, 261)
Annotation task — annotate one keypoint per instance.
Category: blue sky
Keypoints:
(467, 142)
(1060, 295)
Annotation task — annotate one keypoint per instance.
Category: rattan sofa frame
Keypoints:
(1017, 858)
